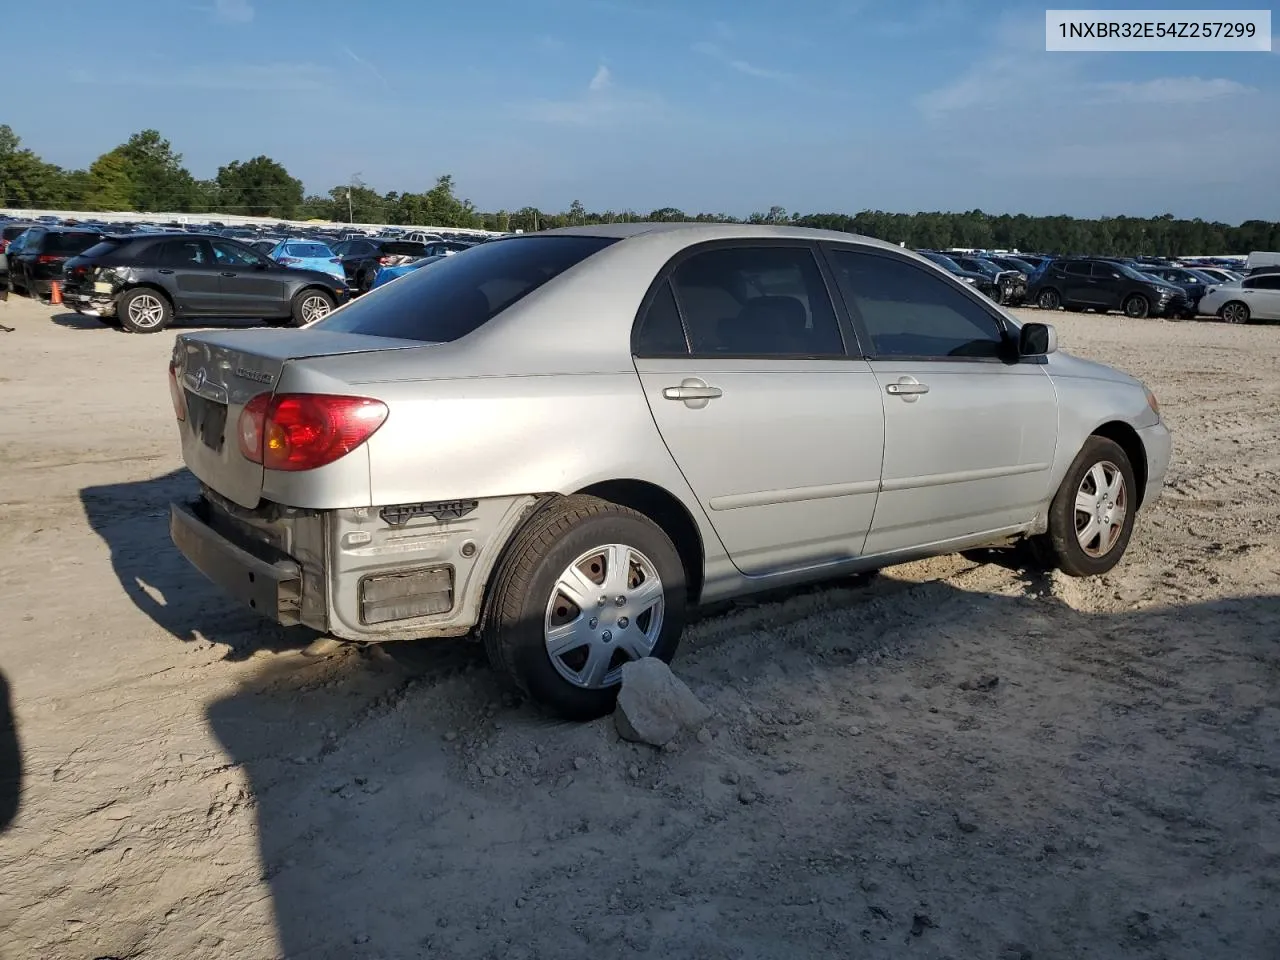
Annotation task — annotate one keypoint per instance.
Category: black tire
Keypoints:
(1061, 544)
(144, 310)
(1137, 307)
(307, 300)
(1049, 299)
(1234, 312)
(523, 587)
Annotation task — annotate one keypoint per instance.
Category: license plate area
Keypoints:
(207, 419)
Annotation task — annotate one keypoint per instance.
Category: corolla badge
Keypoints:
(258, 376)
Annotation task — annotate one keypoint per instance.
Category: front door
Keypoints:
(969, 437)
(249, 285)
(776, 429)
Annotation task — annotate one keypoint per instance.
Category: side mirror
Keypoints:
(1037, 340)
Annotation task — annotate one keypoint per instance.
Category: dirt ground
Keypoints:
(950, 759)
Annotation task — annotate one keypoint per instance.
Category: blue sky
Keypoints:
(718, 105)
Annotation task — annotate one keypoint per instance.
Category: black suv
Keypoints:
(361, 258)
(1011, 285)
(1104, 285)
(37, 255)
(142, 282)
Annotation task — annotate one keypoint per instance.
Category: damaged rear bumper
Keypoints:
(90, 304)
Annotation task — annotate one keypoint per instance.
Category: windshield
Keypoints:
(1013, 263)
(308, 250)
(460, 294)
(1134, 274)
(985, 266)
(945, 262)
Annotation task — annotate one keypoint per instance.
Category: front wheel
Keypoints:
(144, 311)
(309, 306)
(1137, 306)
(1234, 312)
(1091, 517)
(585, 587)
(1049, 300)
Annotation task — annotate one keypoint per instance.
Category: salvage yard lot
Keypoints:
(952, 758)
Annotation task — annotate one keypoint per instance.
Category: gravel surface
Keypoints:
(953, 758)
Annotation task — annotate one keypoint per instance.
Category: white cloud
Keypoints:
(233, 11)
(1172, 90)
(602, 103)
(717, 52)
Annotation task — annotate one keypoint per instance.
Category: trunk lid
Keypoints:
(219, 372)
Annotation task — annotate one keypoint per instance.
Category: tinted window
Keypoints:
(459, 294)
(911, 312)
(15, 230)
(234, 255)
(1268, 281)
(403, 248)
(185, 253)
(103, 248)
(756, 301)
(306, 250)
(660, 332)
(1078, 269)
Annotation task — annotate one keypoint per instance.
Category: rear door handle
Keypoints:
(229, 273)
(693, 392)
(164, 270)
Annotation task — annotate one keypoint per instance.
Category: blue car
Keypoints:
(386, 274)
(307, 255)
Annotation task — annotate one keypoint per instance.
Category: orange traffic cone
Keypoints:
(55, 293)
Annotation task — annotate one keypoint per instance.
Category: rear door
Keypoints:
(969, 437)
(188, 269)
(250, 284)
(1263, 296)
(777, 429)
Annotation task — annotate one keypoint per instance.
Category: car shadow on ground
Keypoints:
(10, 759)
(133, 520)
(407, 809)
(78, 321)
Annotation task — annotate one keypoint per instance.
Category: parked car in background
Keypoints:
(1261, 258)
(4, 276)
(361, 258)
(447, 248)
(1252, 298)
(36, 257)
(1219, 274)
(1011, 285)
(11, 230)
(1083, 284)
(417, 483)
(421, 236)
(144, 281)
(979, 281)
(307, 255)
(1193, 285)
(386, 274)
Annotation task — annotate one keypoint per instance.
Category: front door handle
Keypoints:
(164, 270)
(693, 392)
(908, 388)
(228, 273)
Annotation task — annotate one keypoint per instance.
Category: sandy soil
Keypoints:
(951, 759)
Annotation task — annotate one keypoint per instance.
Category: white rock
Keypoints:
(654, 704)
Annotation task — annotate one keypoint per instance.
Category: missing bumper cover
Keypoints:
(406, 594)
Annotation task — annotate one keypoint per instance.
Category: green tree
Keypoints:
(25, 179)
(259, 187)
(160, 182)
(110, 186)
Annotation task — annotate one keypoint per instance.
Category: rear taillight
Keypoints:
(383, 261)
(302, 431)
(49, 258)
(175, 392)
(4, 245)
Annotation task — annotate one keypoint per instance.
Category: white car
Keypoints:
(1253, 298)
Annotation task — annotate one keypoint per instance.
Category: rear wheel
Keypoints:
(1234, 312)
(1137, 306)
(1091, 517)
(1049, 299)
(586, 586)
(144, 310)
(311, 305)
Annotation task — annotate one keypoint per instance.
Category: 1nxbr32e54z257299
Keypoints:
(564, 441)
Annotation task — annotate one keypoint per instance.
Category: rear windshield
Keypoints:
(68, 242)
(401, 248)
(15, 230)
(103, 248)
(307, 250)
(459, 294)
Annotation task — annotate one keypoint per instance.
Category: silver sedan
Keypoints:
(563, 442)
(1252, 298)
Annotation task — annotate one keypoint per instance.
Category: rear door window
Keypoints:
(69, 244)
(186, 253)
(460, 294)
(1078, 269)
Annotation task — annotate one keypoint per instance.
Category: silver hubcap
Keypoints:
(146, 311)
(313, 308)
(1102, 501)
(1137, 307)
(605, 609)
(1233, 313)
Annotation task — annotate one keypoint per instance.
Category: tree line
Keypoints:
(144, 174)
